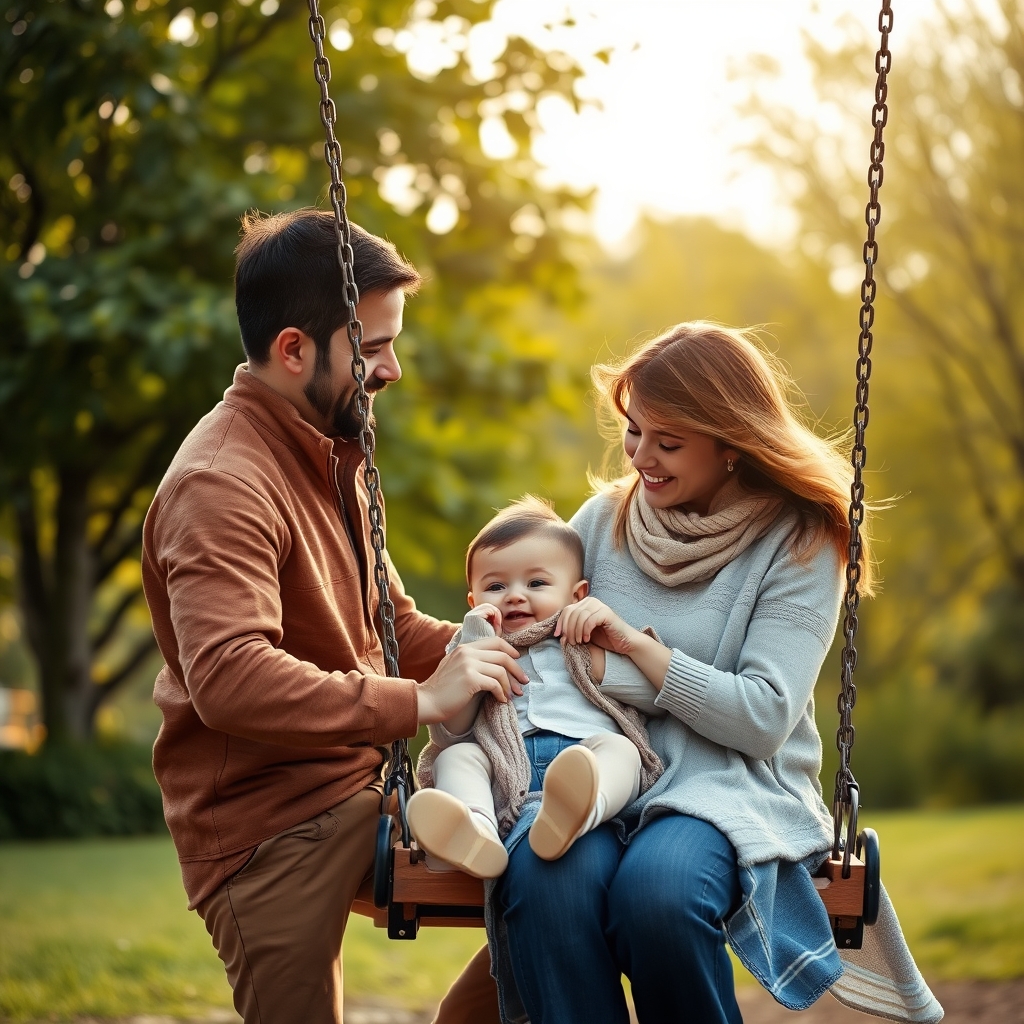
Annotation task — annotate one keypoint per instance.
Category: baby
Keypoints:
(523, 568)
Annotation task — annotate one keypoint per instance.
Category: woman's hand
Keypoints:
(592, 621)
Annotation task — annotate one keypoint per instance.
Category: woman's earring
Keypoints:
(730, 465)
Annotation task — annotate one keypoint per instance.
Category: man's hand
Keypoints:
(484, 666)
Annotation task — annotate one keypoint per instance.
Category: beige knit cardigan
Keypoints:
(496, 729)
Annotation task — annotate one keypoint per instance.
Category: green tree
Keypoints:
(947, 426)
(134, 135)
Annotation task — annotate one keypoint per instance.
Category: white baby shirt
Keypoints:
(551, 701)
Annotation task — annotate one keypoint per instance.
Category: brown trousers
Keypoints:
(278, 923)
(473, 997)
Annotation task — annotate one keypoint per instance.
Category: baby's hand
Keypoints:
(489, 613)
(592, 621)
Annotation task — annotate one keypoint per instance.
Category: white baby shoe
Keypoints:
(568, 806)
(447, 829)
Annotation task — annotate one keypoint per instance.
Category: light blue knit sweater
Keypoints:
(740, 745)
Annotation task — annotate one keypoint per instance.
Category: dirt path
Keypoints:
(968, 1002)
(965, 1002)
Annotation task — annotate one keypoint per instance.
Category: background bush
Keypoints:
(68, 791)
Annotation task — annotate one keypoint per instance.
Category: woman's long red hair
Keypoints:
(718, 381)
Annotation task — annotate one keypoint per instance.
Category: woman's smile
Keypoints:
(684, 469)
(653, 483)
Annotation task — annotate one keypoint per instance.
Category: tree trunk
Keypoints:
(73, 586)
(56, 592)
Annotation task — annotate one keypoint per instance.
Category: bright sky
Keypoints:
(664, 137)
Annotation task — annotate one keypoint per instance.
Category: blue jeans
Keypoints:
(542, 748)
(652, 910)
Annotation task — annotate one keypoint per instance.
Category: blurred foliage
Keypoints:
(74, 790)
(134, 154)
(941, 717)
(133, 138)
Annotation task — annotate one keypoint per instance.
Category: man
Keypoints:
(259, 576)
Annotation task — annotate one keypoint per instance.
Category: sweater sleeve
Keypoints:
(754, 709)
(473, 628)
(219, 544)
(625, 682)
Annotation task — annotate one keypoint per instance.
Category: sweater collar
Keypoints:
(273, 413)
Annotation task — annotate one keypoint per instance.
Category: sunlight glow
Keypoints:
(182, 26)
(340, 35)
(443, 214)
(658, 129)
(495, 139)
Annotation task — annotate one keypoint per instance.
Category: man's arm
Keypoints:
(218, 544)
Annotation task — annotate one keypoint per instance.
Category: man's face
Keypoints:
(331, 391)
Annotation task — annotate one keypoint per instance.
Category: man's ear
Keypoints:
(292, 349)
(580, 591)
(470, 599)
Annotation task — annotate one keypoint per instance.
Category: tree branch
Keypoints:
(37, 205)
(241, 45)
(108, 629)
(152, 460)
(913, 623)
(1002, 323)
(102, 691)
(1000, 414)
(1002, 530)
(118, 555)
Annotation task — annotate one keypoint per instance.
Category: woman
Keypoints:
(727, 536)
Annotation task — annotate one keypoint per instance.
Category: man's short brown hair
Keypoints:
(287, 275)
(529, 515)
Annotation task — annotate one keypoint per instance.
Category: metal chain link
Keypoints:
(400, 772)
(843, 801)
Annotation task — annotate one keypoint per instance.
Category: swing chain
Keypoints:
(845, 796)
(400, 763)
(346, 260)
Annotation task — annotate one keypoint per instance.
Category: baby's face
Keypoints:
(529, 581)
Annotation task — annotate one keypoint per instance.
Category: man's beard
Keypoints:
(342, 412)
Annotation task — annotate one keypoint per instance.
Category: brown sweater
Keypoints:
(258, 572)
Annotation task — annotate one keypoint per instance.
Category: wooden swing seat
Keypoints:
(419, 897)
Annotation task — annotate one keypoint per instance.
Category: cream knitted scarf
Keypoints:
(676, 547)
(496, 730)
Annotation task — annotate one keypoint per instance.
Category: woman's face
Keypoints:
(687, 469)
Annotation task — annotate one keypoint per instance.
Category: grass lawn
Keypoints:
(100, 928)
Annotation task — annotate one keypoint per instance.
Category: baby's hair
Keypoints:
(529, 515)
